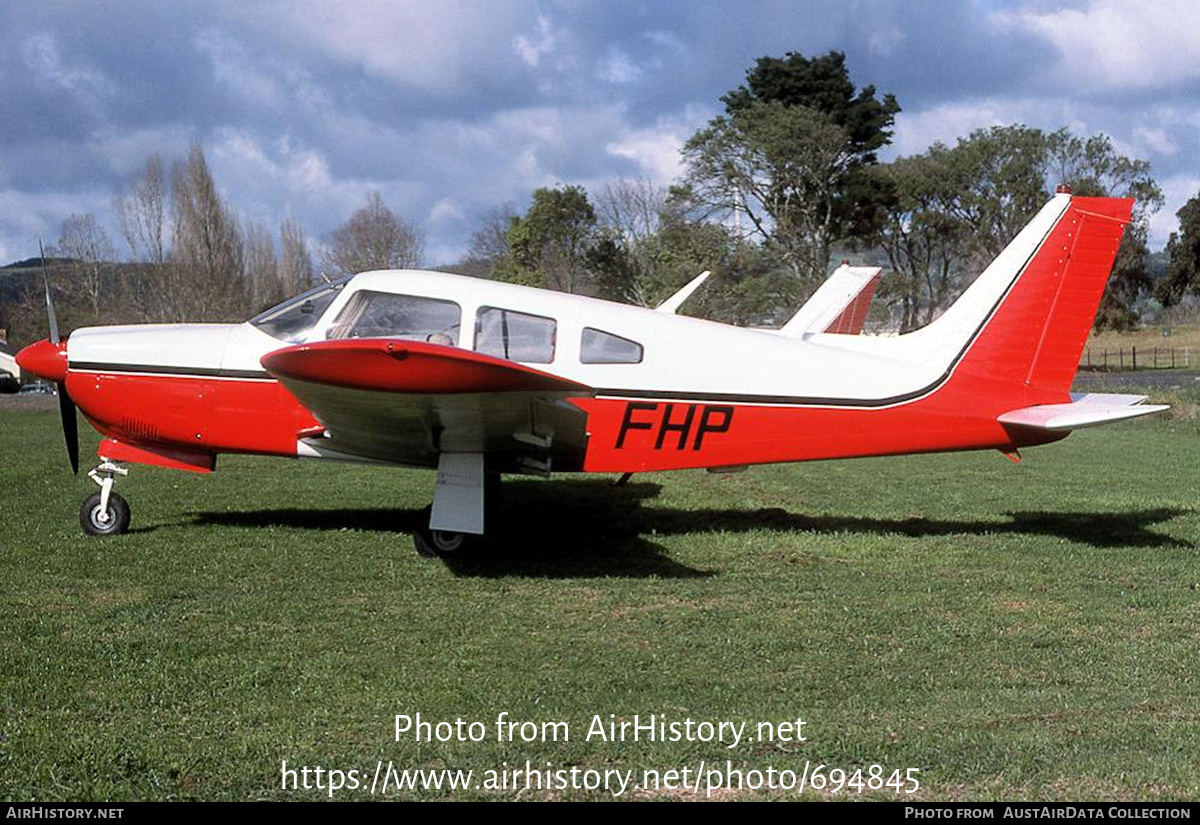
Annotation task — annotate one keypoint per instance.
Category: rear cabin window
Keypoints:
(516, 336)
(599, 347)
(386, 315)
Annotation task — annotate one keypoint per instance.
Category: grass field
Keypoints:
(1183, 338)
(1013, 631)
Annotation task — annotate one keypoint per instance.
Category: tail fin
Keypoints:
(1026, 318)
(839, 305)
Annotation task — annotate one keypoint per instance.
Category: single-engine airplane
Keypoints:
(477, 378)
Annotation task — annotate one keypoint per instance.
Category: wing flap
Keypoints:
(1085, 410)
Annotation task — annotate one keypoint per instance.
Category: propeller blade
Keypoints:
(70, 424)
(54, 339)
(66, 407)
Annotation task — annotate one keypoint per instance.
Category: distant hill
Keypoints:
(36, 263)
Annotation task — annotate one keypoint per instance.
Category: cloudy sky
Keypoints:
(450, 109)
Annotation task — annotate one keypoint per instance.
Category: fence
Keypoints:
(1128, 358)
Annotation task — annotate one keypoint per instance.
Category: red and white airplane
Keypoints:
(477, 378)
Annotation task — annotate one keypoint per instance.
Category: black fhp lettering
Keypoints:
(675, 425)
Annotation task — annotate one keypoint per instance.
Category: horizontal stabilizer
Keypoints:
(839, 305)
(1085, 410)
(673, 303)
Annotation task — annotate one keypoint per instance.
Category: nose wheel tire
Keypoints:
(111, 522)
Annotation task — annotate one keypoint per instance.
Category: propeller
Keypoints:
(66, 407)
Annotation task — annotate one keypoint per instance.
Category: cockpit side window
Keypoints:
(292, 320)
(516, 336)
(599, 347)
(371, 314)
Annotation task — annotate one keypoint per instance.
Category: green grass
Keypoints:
(1013, 631)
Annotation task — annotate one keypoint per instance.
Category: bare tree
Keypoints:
(141, 212)
(206, 245)
(630, 212)
(295, 264)
(259, 267)
(373, 238)
(84, 241)
(489, 243)
(631, 207)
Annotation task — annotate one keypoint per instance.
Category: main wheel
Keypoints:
(440, 543)
(110, 523)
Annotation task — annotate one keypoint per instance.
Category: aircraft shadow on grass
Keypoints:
(586, 528)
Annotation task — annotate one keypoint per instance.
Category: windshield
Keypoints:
(292, 320)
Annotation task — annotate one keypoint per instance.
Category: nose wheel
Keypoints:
(100, 520)
(105, 513)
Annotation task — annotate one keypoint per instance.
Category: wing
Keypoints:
(407, 402)
(839, 305)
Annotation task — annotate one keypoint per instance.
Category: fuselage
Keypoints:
(701, 394)
(668, 391)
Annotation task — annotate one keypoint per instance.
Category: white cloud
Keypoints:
(1140, 133)
(1115, 44)
(656, 148)
(1177, 190)
(618, 67)
(883, 41)
(125, 150)
(87, 85)
(234, 65)
(1156, 139)
(915, 131)
(446, 211)
(436, 49)
(531, 49)
(27, 216)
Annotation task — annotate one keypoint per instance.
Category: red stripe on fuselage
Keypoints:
(644, 434)
(216, 415)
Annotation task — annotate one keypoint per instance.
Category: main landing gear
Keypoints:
(441, 543)
(453, 524)
(105, 513)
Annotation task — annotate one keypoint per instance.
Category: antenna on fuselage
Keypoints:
(670, 305)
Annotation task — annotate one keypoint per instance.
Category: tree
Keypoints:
(999, 178)
(260, 267)
(794, 157)
(955, 209)
(549, 245)
(779, 168)
(823, 84)
(489, 243)
(83, 240)
(923, 241)
(373, 238)
(295, 264)
(1183, 256)
(141, 212)
(630, 214)
(206, 245)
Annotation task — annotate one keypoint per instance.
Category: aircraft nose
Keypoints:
(45, 359)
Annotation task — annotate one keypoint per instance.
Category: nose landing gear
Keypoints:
(105, 513)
